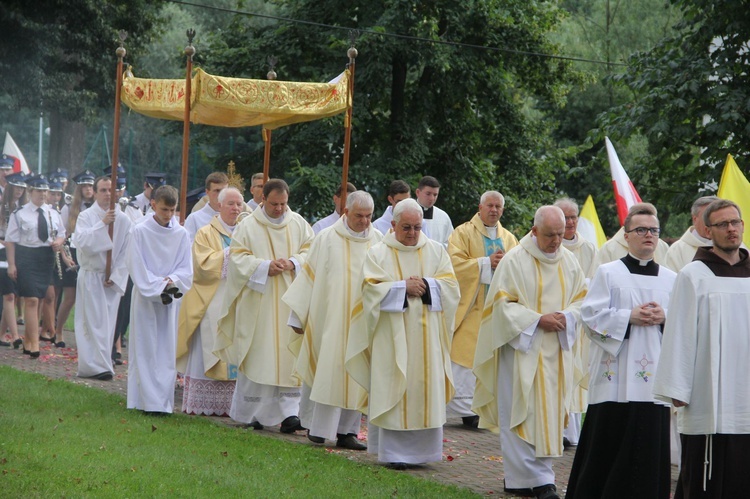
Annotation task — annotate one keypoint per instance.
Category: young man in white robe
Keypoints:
(161, 267)
(215, 183)
(399, 342)
(702, 369)
(436, 224)
(475, 248)
(321, 299)
(397, 191)
(524, 362)
(98, 295)
(268, 250)
(683, 250)
(331, 219)
(209, 382)
(624, 447)
(585, 252)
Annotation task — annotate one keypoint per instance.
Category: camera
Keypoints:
(168, 293)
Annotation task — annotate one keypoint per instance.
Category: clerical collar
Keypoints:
(361, 235)
(228, 228)
(640, 267)
(571, 242)
(427, 212)
(491, 230)
(703, 240)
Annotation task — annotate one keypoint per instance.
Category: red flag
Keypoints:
(625, 194)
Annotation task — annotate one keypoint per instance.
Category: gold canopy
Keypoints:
(237, 102)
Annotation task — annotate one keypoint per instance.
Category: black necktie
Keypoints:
(42, 228)
(87, 205)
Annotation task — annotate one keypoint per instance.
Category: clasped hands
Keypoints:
(553, 323)
(279, 266)
(415, 286)
(648, 314)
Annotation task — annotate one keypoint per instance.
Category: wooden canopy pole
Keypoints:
(352, 53)
(189, 53)
(115, 146)
(266, 132)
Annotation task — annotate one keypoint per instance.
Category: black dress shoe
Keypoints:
(314, 439)
(349, 442)
(117, 362)
(548, 491)
(4, 343)
(105, 376)
(17, 344)
(26, 352)
(255, 425)
(157, 414)
(118, 355)
(471, 421)
(60, 344)
(396, 466)
(290, 425)
(34, 355)
(47, 339)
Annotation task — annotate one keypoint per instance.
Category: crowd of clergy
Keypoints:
(274, 322)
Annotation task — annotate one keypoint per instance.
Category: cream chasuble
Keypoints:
(253, 331)
(323, 296)
(528, 284)
(466, 245)
(617, 247)
(585, 253)
(208, 260)
(403, 359)
(683, 250)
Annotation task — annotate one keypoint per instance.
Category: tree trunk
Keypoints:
(67, 145)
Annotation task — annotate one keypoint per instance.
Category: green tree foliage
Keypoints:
(460, 114)
(691, 100)
(609, 31)
(59, 57)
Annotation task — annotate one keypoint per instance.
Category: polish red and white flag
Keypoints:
(625, 194)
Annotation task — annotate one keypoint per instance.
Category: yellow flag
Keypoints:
(735, 187)
(589, 226)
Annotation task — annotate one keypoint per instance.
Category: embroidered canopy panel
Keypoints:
(237, 102)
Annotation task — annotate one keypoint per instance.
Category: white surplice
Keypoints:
(155, 252)
(199, 219)
(96, 304)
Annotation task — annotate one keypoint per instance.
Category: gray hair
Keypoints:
(717, 205)
(490, 194)
(225, 190)
(547, 211)
(404, 206)
(362, 199)
(566, 203)
(701, 203)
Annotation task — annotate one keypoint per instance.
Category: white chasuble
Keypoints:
(403, 358)
(683, 250)
(322, 297)
(253, 332)
(155, 253)
(623, 370)
(528, 284)
(96, 304)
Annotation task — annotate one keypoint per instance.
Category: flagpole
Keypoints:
(352, 54)
(189, 53)
(266, 133)
(120, 52)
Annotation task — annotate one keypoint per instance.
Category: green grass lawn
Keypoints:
(59, 439)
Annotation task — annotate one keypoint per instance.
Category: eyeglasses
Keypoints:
(725, 225)
(641, 231)
(411, 228)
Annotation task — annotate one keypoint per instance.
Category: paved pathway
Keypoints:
(472, 458)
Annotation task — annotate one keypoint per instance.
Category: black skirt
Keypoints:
(7, 285)
(35, 267)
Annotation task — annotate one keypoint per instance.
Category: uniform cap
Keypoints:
(85, 177)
